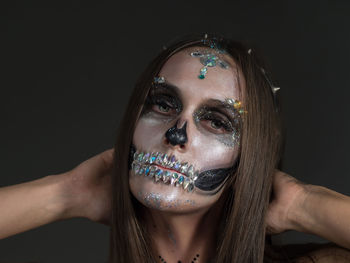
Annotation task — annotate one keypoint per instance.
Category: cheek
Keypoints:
(217, 162)
(211, 153)
(148, 132)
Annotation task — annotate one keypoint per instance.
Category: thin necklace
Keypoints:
(194, 260)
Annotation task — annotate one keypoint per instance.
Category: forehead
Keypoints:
(183, 70)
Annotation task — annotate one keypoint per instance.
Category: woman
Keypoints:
(195, 162)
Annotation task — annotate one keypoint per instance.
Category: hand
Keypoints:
(87, 188)
(287, 195)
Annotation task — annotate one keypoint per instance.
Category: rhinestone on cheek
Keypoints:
(146, 157)
(190, 187)
(190, 171)
(174, 178)
(172, 161)
(158, 175)
(165, 160)
(185, 183)
(152, 170)
(180, 180)
(159, 158)
(195, 175)
(136, 168)
(142, 166)
(184, 168)
(147, 169)
(166, 176)
(152, 158)
(142, 170)
(177, 166)
(140, 157)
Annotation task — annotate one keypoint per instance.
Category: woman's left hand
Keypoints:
(87, 191)
(287, 195)
(308, 208)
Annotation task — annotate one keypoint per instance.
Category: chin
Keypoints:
(166, 196)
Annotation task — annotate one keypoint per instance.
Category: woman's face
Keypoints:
(193, 122)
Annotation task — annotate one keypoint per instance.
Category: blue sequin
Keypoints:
(147, 170)
(181, 179)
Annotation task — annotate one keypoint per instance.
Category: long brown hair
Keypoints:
(242, 231)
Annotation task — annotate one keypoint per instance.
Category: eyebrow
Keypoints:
(220, 105)
(168, 87)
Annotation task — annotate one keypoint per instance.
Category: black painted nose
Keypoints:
(177, 136)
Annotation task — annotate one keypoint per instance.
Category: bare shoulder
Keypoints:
(308, 253)
(326, 254)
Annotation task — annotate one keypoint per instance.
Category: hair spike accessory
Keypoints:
(273, 88)
(213, 42)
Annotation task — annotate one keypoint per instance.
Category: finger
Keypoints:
(99, 163)
(268, 231)
(107, 158)
(109, 153)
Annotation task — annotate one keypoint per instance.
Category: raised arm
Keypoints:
(325, 213)
(309, 208)
(81, 192)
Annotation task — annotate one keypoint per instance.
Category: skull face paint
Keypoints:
(197, 108)
(169, 170)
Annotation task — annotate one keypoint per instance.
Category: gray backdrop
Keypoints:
(68, 69)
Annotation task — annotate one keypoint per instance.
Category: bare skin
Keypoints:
(309, 208)
(65, 199)
(81, 192)
(183, 231)
(182, 237)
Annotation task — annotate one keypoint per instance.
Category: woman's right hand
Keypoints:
(86, 190)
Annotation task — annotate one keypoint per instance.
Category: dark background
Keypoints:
(69, 67)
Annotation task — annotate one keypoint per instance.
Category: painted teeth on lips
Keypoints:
(168, 162)
(151, 164)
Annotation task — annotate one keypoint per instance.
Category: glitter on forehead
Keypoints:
(208, 58)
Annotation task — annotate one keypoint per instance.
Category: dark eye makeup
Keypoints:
(163, 103)
(217, 122)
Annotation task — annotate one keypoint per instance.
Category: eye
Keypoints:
(164, 106)
(216, 123)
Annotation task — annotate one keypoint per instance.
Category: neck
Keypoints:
(181, 237)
